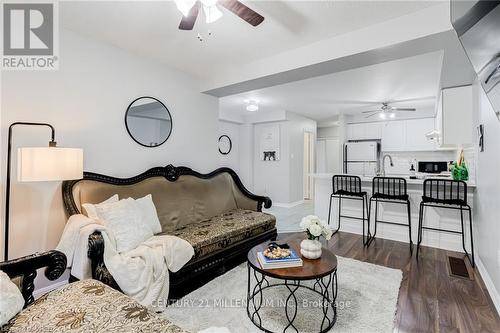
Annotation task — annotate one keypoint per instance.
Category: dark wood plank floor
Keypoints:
(430, 300)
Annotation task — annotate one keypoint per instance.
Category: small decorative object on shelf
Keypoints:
(310, 248)
(459, 170)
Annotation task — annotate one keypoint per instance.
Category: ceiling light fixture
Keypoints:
(382, 115)
(252, 106)
(392, 115)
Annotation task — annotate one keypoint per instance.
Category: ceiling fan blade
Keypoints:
(242, 11)
(403, 109)
(187, 22)
(370, 111)
(371, 115)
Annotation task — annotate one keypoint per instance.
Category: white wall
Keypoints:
(297, 125)
(487, 198)
(86, 100)
(231, 160)
(282, 180)
(328, 132)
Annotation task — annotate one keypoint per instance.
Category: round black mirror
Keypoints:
(225, 144)
(148, 121)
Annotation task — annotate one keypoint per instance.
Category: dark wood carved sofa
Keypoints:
(214, 212)
(79, 307)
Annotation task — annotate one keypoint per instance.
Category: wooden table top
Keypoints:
(311, 269)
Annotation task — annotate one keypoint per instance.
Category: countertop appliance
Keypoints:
(432, 167)
(477, 24)
(362, 157)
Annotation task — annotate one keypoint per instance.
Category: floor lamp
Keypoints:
(40, 164)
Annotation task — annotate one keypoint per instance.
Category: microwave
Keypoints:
(432, 167)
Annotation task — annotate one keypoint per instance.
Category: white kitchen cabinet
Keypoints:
(364, 131)
(373, 130)
(355, 131)
(394, 135)
(454, 117)
(415, 134)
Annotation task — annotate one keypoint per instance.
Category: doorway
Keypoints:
(308, 165)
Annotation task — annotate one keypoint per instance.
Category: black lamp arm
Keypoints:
(52, 143)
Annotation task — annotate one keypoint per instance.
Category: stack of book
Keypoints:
(293, 260)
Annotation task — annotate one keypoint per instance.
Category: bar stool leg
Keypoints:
(420, 218)
(369, 221)
(369, 215)
(471, 239)
(330, 209)
(409, 225)
(463, 231)
(365, 242)
(340, 213)
(329, 212)
(470, 256)
(372, 237)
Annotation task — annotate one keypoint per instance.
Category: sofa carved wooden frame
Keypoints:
(194, 273)
(25, 267)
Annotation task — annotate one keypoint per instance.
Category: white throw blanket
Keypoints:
(141, 273)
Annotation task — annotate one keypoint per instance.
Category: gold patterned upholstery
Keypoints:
(187, 200)
(224, 230)
(87, 306)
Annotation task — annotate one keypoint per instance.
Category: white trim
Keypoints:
(288, 205)
(42, 291)
(488, 282)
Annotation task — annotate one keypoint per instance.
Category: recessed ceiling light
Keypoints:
(252, 106)
(382, 115)
(392, 115)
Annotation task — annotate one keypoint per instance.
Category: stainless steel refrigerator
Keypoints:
(362, 157)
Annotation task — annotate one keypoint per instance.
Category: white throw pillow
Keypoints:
(90, 209)
(124, 220)
(11, 301)
(149, 214)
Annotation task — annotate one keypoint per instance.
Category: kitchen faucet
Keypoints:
(383, 163)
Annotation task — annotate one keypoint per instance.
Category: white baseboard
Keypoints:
(488, 282)
(42, 291)
(288, 205)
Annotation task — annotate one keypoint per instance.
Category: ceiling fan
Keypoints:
(191, 8)
(387, 111)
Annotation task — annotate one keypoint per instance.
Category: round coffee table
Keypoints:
(322, 272)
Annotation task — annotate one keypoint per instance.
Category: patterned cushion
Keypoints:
(219, 232)
(87, 306)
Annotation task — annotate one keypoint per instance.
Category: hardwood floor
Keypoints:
(430, 300)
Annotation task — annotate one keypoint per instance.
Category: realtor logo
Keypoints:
(29, 36)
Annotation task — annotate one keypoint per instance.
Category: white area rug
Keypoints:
(366, 302)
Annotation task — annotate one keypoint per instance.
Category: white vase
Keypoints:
(310, 249)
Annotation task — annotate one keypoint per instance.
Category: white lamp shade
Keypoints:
(49, 164)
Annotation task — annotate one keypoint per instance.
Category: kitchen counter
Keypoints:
(419, 181)
(434, 217)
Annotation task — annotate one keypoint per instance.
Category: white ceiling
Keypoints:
(351, 92)
(150, 28)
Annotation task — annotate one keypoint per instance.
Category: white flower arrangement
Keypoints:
(315, 228)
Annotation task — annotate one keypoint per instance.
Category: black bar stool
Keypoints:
(390, 190)
(449, 194)
(349, 188)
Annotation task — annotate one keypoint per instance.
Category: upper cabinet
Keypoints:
(364, 131)
(396, 135)
(415, 134)
(454, 117)
(393, 135)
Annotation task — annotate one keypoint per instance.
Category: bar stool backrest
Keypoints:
(344, 184)
(445, 191)
(389, 187)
